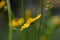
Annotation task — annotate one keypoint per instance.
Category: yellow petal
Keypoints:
(20, 21)
(37, 17)
(30, 20)
(2, 4)
(25, 26)
(13, 23)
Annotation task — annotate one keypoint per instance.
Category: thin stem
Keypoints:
(48, 17)
(10, 17)
(36, 36)
(49, 8)
(42, 9)
(23, 8)
(23, 14)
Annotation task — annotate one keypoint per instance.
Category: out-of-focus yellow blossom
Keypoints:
(29, 21)
(55, 20)
(28, 13)
(2, 4)
(13, 23)
(20, 21)
(43, 38)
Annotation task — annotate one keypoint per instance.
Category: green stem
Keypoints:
(36, 36)
(41, 19)
(10, 17)
(23, 8)
(48, 33)
(42, 6)
(25, 33)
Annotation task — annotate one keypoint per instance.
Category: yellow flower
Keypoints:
(29, 21)
(2, 4)
(20, 21)
(55, 20)
(13, 23)
(28, 13)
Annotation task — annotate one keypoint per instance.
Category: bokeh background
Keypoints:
(32, 33)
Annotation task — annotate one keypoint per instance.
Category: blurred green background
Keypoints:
(34, 32)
